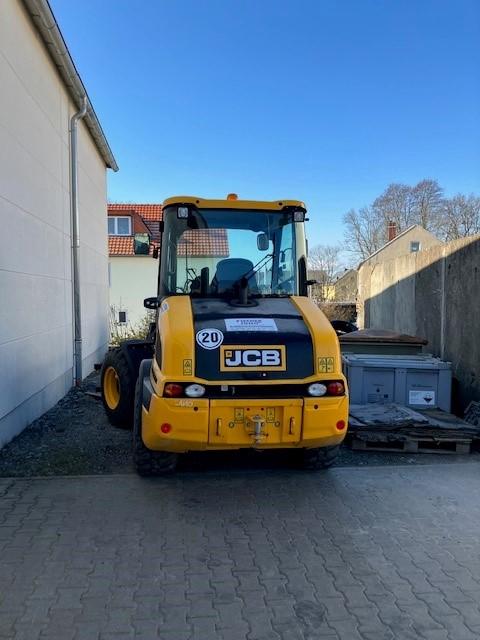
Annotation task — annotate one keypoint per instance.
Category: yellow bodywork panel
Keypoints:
(175, 324)
(233, 422)
(189, 420)
(325, 342)
(252, 205)
(202, 424)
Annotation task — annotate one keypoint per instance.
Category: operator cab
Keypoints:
(232, 249)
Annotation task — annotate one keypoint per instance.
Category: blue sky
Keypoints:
(324, 100)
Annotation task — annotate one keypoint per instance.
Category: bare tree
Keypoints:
(423, 204)
(405, 205)
(428, 202)
(364, 232)
(324, 262)
(396, 204)
(461, 216)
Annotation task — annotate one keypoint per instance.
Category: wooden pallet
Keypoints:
(395, 428)
(411, 444)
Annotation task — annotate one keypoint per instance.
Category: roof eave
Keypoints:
(387, 244)
(47, 27)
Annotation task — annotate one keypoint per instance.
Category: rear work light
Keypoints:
(194, 391)
(173, 390)
(336, 388)
(317, 389)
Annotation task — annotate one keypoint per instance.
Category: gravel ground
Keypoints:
(75, 438)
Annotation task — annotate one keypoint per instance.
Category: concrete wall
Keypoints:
(36, 341)
(434, 294)
(400, 246)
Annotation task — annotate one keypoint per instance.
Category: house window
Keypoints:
(414, 246)
(122, 317)
(119, 226)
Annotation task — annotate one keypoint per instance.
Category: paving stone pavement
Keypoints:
(354, 553)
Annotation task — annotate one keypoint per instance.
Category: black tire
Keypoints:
(122, 414)
(321, 458)
(148, 463)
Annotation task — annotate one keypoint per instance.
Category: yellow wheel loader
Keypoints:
(239, 356)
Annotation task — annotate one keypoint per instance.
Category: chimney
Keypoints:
(391, 230)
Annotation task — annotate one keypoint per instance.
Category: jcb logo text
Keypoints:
(261, 358)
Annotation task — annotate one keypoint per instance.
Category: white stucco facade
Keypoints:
(401, 245)
(134, 278)
(36, 342)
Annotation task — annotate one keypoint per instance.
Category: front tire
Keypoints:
(321, 458)
(118, 388)
(148, 463)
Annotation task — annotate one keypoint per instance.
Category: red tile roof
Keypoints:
(204, 242)
(201, 242)
(124, 246)
(146, 211)
(120, 246)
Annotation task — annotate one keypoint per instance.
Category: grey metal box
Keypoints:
(413, 381)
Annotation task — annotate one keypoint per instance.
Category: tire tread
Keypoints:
(122, 415)
(320, 458)
(148, 463)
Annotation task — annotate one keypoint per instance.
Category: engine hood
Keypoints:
(267, 341)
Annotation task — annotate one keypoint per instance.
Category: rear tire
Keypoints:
(118, 388)
(148, 463)
(321, 458)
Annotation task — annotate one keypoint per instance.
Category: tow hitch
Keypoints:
(257, 433)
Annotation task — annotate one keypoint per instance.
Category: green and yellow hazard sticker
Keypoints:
(326, 365)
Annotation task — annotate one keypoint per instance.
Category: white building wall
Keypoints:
(36, 341)
(134, 278)
(400, 246)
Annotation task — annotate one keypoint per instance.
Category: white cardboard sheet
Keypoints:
(250, 324)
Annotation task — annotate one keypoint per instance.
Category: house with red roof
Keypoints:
(133, 236)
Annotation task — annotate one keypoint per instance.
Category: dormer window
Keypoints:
(119, 226)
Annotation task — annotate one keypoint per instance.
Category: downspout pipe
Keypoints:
(75, 235)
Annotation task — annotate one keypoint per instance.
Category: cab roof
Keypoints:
(228, 203)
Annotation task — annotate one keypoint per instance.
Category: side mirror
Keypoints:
(155, 253)
(262, 241)
(310, 283)
(151, 303)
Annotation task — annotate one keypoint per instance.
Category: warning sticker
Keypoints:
(187, 367)
(326, 365)
(239, 415)
(425, 397)
(250, 324)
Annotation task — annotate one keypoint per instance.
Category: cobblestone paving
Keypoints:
(370, 553)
